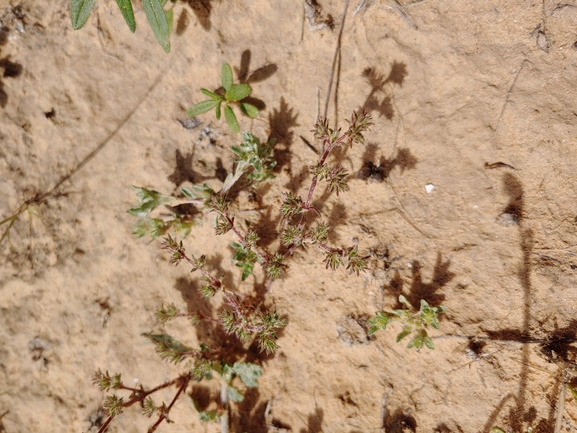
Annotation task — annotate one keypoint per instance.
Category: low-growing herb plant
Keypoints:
(160, 20)
(238, 314)
(205, 364)
(415, 323)
(233, 94)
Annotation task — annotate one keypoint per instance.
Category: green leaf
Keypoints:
(202, 107)
(249, 110)
(428, 342)
(211, 95)
(231, 119)
(169, 20)
(406, 331)
(80, 11)
(226, 77)
(158, 22)
(379, 322)
(218, 110)
(125, 7)
(237, 92)
(234, 394)
(148, 200)
(404, 301)
(248, 373)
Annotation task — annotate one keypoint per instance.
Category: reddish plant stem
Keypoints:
(141, 395)
(263, 258)
(106, 424)
(215, 283)
(164, 415)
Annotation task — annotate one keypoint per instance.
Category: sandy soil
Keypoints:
(476, 98)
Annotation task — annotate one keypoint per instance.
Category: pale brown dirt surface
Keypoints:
(476, 98)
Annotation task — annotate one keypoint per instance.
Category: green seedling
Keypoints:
(233, 94)
(160, 20)
(255, 159)
(413, 323)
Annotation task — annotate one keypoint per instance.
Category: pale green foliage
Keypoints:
(233, 94)
(413, 323)
(160, 20)
(149, 201)
(248, 373)
(254, 158)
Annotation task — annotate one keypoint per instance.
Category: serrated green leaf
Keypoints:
(248, 373)
(249, 109)
(158, 22)
(211, 95)
(202, 107)
(237, 92)
(80, 11)
(125, 7)
(226, 77)
(234, 394)
(231, 119)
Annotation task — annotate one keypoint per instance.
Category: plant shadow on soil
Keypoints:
(250, 414)
(556, 345)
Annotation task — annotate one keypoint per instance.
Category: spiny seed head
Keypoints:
(319, 234)
(165, 314)
(223, 225)
(293, 205)
(113, 405)
(104, 381)
(333, 259)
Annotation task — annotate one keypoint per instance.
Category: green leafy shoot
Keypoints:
(233, 95)
(247, 372)
(245, 258)
(161, 21)
(253, 157)
(150, 200)
(413, 323)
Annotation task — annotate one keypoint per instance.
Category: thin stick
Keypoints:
(509, 96)
(560, 408)
(335, 57)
